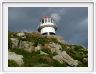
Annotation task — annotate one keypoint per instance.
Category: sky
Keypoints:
(72, 22)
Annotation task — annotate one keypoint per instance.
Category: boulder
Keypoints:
(85, 59)
(38, 47)
(54, 47)
(64, 57)
(58, 58)
(43, 53)
(15, 57)
(15, 42)
(27, 46)
(20, 34)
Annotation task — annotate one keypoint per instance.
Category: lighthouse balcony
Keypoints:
(47, 23)
(48, 31)
(41, 27)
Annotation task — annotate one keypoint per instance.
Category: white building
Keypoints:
(47, 26)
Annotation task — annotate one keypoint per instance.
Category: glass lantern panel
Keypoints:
(51, 20)
(45, 20)
(48, 19)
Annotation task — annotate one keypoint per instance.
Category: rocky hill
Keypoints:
(36, 50)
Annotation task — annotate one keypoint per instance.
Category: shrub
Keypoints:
(12, 63)
(58, 64)
(9, 43)
(46, 59)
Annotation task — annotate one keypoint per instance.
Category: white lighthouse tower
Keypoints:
(47, 26)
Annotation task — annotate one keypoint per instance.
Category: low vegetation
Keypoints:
(36, 59)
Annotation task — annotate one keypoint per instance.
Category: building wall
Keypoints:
(47, 29)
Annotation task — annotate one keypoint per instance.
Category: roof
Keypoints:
(46, 17)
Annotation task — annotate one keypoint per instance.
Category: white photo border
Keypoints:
(5, 67)
(95, 36)
(0, 39)
(48, 73)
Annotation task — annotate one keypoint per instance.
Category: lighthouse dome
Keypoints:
(47, 26)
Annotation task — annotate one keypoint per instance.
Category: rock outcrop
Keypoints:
(34, 49)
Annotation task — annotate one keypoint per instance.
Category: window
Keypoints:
(51, 33)
(42, 21)
(44, 34)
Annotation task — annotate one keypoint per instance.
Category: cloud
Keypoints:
(55, 12)
(56, 16)
(83, 23)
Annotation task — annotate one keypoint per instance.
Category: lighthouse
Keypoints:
(47, 26)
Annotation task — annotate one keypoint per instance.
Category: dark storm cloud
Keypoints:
(72, 21)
